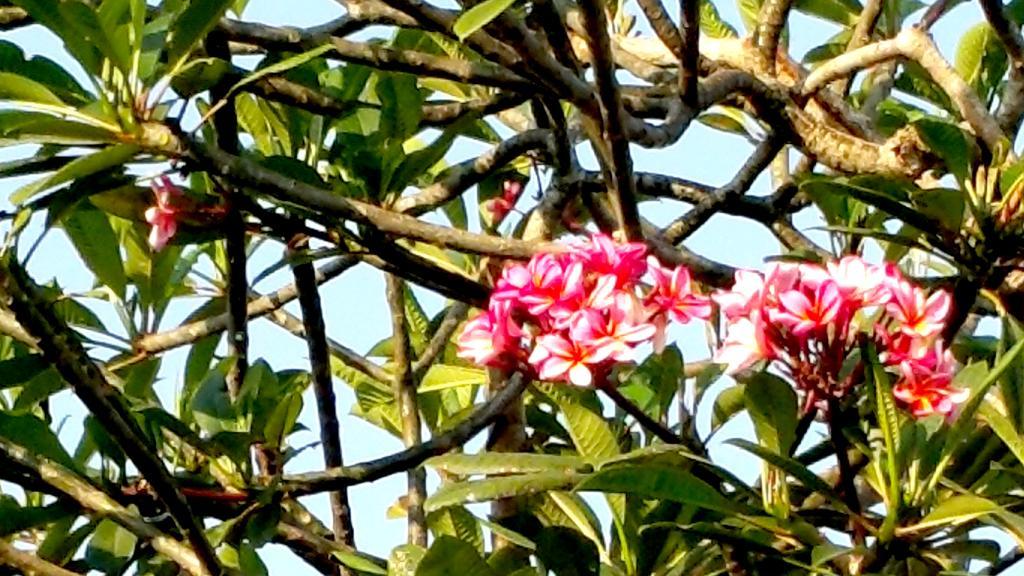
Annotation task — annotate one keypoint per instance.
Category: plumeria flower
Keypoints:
(573, 314)
(926, 392)
(855, 278)
(916, 315)
(745, 345)
(163, 216)
(559, 358)
(801, 313)
(623, 328)
(673, 293)
(490, 336)
(744, 297)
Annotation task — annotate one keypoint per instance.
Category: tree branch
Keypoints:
(316, 482)
(323, 388)
(404, 385)
(62, 347)
(102, 505)
(151, 344)
(708, 206)
(623, 190)
(29, 563)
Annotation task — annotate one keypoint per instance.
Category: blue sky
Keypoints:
(355, 307)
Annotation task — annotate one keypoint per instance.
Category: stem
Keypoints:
(650, 424)
(404, 384)
(323, 387)
(847, 488)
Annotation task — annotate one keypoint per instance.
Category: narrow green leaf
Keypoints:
(804, 475)
(191, 26)
(93, 237)
(772, 405)
(500, 487)
(17, 88)
(952, 511)
(661, 482)
(80, 167)
(1003, 428)
(445, 376)
(888, 422)
(448, 556)
(504, 463)
(479, 16)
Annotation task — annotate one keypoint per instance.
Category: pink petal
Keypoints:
(580, 375)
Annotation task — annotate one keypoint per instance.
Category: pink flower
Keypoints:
(501, 206)
(623, 328)
(802, 313)
(625, 262)
(673, 293)
(490, 337)
(858, 279)
(163, 216)
(744, 297)
(558, 358)
(925, 392)
(745, 344)
(916, 315)
(544, 283)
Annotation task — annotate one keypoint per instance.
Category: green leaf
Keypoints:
(360, 562)
(93, 237)
(29, 432)
(889, 423)
(500, 487)
(660, 482)
(804, 475)
(949, 142)
(728, 403)
(282, 420)
(445, 376)
(404, 559)
(80, 167)
(449, 556)
(20, 369)
(1003, 428)
(711, 22)
(590, 432)
(955, 510)
(110, 548)
(772, 405)
(479, 16)
(191, 26)
(457, 522)
(401, 105)
(981, 59)
(490, 463)
(15, 518)
(17, 88)
(842, 12)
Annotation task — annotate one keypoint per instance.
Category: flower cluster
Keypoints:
(163, 216)
(500, 207)
(808, 319)
(570, 316)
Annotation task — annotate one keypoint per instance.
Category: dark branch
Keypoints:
(316, 482)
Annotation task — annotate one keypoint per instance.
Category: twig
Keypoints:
(690, 70)
(439, 340)
(346, 355)
(771, 20)
(861, 35)
(404, 384)
(1006, 562)
(225, 124)
(316, 482)
(623, 189)
(327, 206)
(323, 388)
(62, 348)
(99, 503)
(459, 178)
(292, 40)
(258, 306)
(931, 16)
(711, 204)
(646, 422)
(663, 26)
(1009, 33)
(28, 563)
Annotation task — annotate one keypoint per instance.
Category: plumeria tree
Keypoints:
(481, 155)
